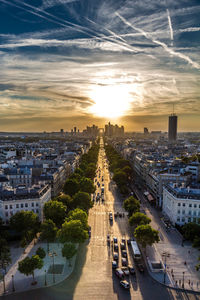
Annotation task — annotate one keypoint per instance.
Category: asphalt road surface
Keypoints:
(93, 277)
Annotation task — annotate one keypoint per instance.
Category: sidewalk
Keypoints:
(17, 282)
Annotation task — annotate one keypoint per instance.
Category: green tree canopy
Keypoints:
(68, 251)
(191, 231)
(120, 178)
(139, 218)
(28, 265)
(55, 211)
(87, 186)
(127, 170)
(5, 257)
(82, 200)
(66, 200)
(131, 205)
(79, 214)
(25, 222)
(146, 235)
(41, 252)
(48, 232)
(73, 231)
(71, 187)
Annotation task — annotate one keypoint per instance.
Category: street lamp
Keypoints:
(183, 280)
(45, 277)
(52, 254)
(165, 255)
(13, 286)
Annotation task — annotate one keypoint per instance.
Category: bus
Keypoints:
(135, 250)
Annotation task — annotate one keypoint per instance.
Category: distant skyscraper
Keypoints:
(172, 129)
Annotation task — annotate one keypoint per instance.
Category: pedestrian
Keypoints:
(189, 281)
(173, 276)
(172, 271)
(179, 281)
(185, 262)
(176, 283)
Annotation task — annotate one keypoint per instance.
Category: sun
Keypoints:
(110, 101)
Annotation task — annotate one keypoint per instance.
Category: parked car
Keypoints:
(119, 273)
(116, 248)
(115, 256)
(124, 261)
(108, 238)
(125, 284)
(124, 253)
(114, 240)
(131, 270)
(140, 268)
(114, 264)
(123, 241)
(110, 216)
(126, 271)
(122, 246)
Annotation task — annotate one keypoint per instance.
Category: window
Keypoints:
(183, 211)
(190, 205)
(17, 205)
(10, 206)
(32, 204)
(183, 219)
(179, 204)
(22, 205)
(178, 219)
(26, 204)
(37, 211)
(194, 220)
(199, 205)
(6, 206)
(178, 211)
(36, 204)
(194, 213)
(189, 212)
(183, 204)
(6, 214)
(195, 205)
(189, 219)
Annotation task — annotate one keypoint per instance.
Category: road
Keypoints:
(93, 278)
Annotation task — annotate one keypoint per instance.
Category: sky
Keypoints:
(66, 63)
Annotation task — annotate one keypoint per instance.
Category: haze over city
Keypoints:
(68, 62)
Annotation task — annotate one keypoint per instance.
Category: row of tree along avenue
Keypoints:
(121, 169)
(65, 217)
(122, 175)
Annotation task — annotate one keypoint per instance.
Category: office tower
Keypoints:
(74, 130)
(172, 129)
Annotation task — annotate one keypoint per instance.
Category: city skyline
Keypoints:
(66, 62)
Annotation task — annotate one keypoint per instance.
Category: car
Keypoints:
(130, 240)
(131, 270)
(122, 246)
(119, 273)
(108, 238)
(116, 248)
(124, 253)
(123, 241)
(140, 268)
(110, 216)
(120, 214)
(124, 261)
(114, 264)
(125, 284)
(115, 215)
(114, 240)
(115, 256)
(126, 271)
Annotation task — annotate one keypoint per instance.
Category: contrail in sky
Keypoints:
(170, 27)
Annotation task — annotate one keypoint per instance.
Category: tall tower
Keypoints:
(172, 128)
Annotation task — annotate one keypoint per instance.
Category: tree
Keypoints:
(41, 252)
(79, 214)
(146, 235)
(191, 230)
(90, 171)
(5, 257)
(87, 186)
(82, 200)
(139, 219)
(28, 265)
(66, 200)
(68, 251)
(73, 231)
(48, 232)
(55, 211)
(120, 178)
(25, 222)
(131, 205)
(127, 170)
(71, 187)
